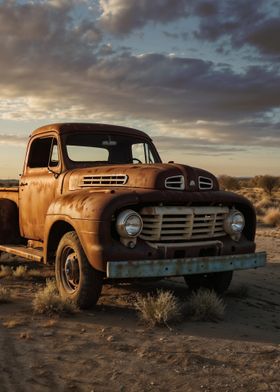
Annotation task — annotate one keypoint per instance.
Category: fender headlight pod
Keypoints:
(129, 224)
(234, 223)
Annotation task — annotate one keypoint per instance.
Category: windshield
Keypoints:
(109, 149)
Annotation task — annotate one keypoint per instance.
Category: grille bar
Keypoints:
(101, 180)
(180, 224)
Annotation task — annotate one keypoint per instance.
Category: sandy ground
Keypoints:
(110, 349)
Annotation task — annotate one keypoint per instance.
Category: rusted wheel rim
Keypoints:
(70, 271)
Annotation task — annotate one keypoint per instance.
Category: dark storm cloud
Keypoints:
(252, 23)
(44, 33)
(122, 16)
(54, 67)
(245, 23)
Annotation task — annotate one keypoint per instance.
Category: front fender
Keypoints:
(89, 213)
(92, 204)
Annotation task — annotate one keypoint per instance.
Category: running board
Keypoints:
(23, 251)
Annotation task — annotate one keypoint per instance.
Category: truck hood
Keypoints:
(170, 176)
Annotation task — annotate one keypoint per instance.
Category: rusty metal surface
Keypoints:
(10, 194)
(63, 128)
(23, 251)
(181, 267)
(51, 199)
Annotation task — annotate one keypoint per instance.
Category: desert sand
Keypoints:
(110, 349)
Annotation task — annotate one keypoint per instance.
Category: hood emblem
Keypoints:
(192, 183)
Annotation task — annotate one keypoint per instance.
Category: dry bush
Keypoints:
(272, 217)
(268, 183)
(47, 301)
(159, 309)
(34, 273)
(20, 272)
(228, 182)
(13, 323)
(205, 305)
(5, 295)
(266, 202)
(5, 271)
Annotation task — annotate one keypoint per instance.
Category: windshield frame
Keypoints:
(71, 164)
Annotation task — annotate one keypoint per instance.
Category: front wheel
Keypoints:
(218, 281)
(75, 277)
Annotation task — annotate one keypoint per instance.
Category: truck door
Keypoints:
(39, 185)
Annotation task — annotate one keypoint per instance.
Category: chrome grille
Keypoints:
(175, 182)
(205, 183)
(100, 180)
(180, 224)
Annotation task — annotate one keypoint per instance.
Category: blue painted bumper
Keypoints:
(186, 266)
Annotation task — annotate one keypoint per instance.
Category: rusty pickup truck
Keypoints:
(97, 201)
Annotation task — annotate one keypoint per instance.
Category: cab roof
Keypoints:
(64, 128)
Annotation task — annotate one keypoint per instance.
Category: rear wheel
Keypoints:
(218, 281)
(75, 277)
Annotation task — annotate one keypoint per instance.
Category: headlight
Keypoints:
(129, 224)
(234, 223)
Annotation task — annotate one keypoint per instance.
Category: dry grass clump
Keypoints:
(205, 305)
(265, 203)
(20, 272)
(13, 323)
(5, 271)
(47, 301)
(5, 295)
(272, 217)
(159, 309)
(35, 273)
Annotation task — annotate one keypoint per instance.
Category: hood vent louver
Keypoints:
(102, 180)
(175, 182)
(205, 183)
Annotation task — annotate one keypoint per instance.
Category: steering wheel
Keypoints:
(136, 160)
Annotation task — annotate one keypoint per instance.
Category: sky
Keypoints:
(202, 77)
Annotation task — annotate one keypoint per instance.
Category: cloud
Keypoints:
(250, 23)
(13, 139)
(122, 16)
(46, 34)
(57, 69)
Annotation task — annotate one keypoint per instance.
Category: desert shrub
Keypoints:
(20, 272)
(265, 203)
(5, 295)
(272, 217)
(205, 305)
(5, 271)
(159, 309)
(47, 301)
(228, 182)
(268, 183)
(34, 273)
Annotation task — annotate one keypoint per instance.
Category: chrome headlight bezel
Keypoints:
(234, 223)
(129, 224)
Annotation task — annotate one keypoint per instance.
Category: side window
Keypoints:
(54, 159)
(43, 153)
(141, 153)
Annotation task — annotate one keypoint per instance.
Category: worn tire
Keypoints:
(75, 277)
(218, 281)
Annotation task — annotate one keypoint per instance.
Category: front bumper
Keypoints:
(185, 266)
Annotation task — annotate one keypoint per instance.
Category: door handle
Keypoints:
(23, 184)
